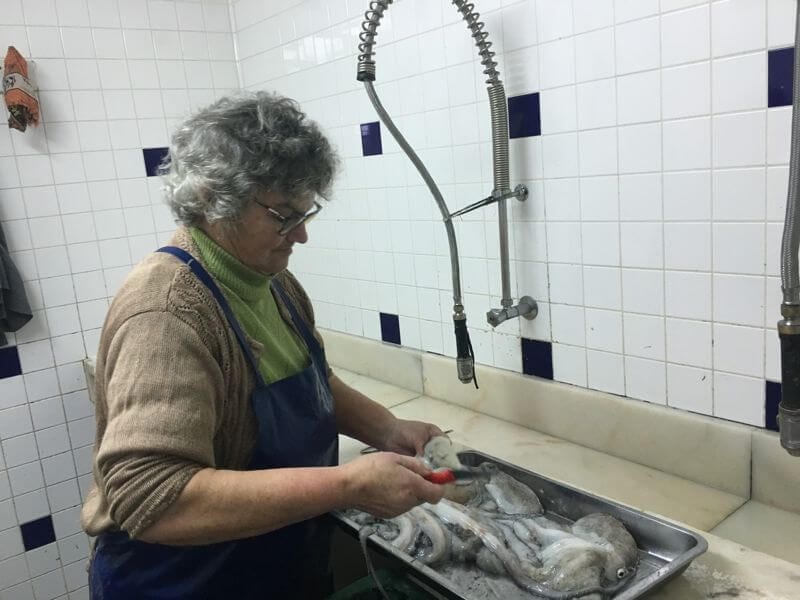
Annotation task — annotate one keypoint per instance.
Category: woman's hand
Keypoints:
(409, 437)
(385, 484)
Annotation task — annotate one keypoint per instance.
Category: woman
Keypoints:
(217, 415)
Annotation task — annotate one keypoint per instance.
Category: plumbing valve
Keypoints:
(527, 308)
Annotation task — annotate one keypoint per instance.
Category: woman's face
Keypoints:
(255, 240)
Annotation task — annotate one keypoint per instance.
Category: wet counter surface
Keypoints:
(727, 570)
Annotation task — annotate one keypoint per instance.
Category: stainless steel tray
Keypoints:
(665, 549)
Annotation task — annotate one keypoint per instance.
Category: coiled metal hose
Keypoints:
(481, 37)
(369, 30)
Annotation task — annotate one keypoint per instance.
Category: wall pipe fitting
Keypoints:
(789, 325)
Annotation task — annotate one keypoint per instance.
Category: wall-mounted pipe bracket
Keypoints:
(520, 193)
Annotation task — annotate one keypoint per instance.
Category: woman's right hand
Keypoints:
(385, 484)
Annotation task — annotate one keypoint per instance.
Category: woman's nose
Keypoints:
(298, 235)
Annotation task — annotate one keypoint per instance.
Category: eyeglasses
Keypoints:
(293, 220)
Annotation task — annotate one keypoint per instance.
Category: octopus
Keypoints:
(497, 524)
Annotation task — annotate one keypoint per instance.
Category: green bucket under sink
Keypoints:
(396, 586)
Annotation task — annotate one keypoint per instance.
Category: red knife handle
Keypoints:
(441, 476)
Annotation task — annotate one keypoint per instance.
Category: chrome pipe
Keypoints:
(789, 325)
(790, 277)
(499, 119)
(499, 108)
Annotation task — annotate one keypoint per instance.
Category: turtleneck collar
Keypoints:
(248, 284)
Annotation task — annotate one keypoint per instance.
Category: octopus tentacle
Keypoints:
(408, 532)
(435, 531)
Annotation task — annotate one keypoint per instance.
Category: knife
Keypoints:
(462, 476)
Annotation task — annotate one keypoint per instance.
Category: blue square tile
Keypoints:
(390, 328)
(9, 362)
(152, 159)
(772, 399)
(524, 117)
(371, 138)
(537, 358)
(38, 533)
(781, 65)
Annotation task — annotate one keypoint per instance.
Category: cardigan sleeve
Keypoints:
(163, 395)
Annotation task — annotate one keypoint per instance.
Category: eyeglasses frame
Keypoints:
(295, 220)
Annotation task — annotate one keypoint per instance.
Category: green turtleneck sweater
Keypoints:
(248, 293)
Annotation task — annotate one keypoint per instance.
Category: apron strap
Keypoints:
(300, 324)
(203, 276)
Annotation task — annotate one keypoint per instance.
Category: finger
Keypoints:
(406, 451)
(430, 431)
(412, 464)
(430, 492)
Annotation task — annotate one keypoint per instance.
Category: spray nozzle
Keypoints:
(465, 356)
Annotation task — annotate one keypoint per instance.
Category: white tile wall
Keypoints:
(114, 76)
(650, 237)
(660, 180)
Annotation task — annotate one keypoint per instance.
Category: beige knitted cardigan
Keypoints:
(172, 389)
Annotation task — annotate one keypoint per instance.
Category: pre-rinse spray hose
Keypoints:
(789, 325)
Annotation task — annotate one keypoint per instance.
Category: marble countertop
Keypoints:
(726, 570)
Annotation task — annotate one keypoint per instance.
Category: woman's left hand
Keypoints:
(409, 437)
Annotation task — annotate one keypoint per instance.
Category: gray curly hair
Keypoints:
(223, 155)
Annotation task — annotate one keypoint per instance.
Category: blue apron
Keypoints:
(296, 428)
